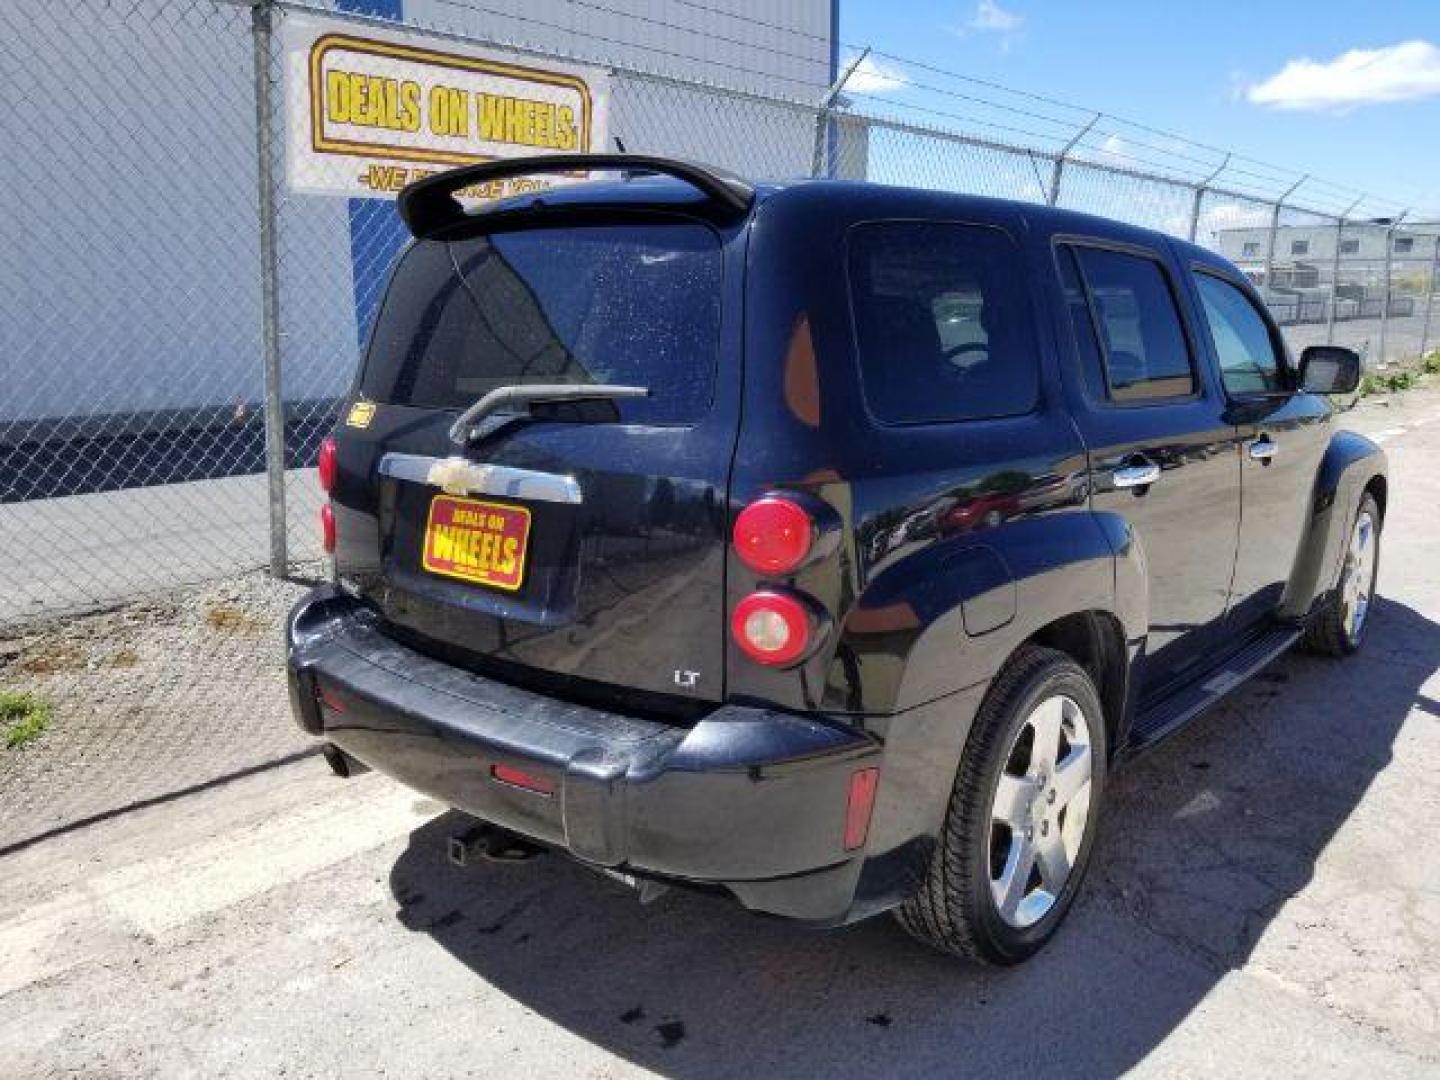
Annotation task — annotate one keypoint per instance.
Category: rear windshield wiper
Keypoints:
(514, 398)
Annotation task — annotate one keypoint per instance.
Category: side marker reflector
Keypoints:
(508, 774)
(863, 784)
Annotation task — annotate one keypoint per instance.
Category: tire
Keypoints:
(956, 907)
(1335, 630)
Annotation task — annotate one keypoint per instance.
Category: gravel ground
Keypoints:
(1264, 899)
(150, 699)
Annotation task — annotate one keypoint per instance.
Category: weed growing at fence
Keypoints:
(1388, 384)
(24, 718)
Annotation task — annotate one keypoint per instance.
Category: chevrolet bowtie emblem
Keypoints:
(457, 476)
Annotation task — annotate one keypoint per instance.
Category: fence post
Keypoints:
(1200, 195)
(1334, 281)
(1335, 268)
(1053, 197)
(1390, 265)
(1394, 223)
(1269, 292)
(261, 26)
(822, 113)
(1430, 295)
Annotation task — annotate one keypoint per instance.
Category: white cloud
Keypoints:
(1112, 151)
(872, 77)
(990, 17)
(1403, 72)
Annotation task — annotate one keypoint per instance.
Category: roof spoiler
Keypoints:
(429, 205)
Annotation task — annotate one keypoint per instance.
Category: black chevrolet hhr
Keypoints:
(827, 544)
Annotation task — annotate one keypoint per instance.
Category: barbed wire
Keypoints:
(751, 20)
(1112, 138)
(1275, 177)
(649, 20)
(946, 114)
(480, 9)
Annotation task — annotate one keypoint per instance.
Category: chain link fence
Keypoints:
(180, 326)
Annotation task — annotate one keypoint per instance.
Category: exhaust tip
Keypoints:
(341, 763)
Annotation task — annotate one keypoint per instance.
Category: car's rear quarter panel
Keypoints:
(924, 601)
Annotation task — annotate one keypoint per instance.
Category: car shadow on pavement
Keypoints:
(1204, 842)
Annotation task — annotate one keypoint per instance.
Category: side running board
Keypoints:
(1168, 715)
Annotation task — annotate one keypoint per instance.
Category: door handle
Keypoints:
(1263, 449)
(1137, 474)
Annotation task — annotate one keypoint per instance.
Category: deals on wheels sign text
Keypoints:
(369, 112)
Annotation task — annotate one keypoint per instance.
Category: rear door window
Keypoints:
(1144, 352)
(1082, 321)
(941, 321)
(637, 305)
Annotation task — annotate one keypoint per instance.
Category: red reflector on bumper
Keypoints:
(508, 774)
(327, 528)
(863, 783)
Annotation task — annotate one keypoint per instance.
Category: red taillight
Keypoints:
(325, 464)
(863, 784)
(327, 528)
(508, 774)
(771, 627)
(773, 535)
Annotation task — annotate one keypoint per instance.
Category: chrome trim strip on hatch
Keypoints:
(461, 476)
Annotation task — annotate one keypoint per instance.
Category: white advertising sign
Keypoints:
(368, 111)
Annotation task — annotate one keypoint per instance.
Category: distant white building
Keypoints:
(1305, 255)
(1320, 272)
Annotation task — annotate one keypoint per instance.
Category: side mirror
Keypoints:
(1329, 369)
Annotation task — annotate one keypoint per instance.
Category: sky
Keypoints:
(1346, 91)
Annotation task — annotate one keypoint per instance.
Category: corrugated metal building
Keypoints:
(130, 297)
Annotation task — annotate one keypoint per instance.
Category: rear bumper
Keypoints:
(748, 799)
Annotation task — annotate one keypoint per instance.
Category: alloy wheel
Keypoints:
(1040, 810)
(1358, 582)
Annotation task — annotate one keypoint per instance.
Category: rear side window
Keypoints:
(1249, 363)
(1143, 349)
(637, 305)
(941, 321)
(1077, 304)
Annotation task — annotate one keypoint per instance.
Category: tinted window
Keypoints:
(1349, 247)
(1143, 346)
(1248, 361)
(638, 305)
(1087, 346)
(941, 321)
(1300, 247)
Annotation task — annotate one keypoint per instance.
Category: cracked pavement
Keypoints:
(1265, 900)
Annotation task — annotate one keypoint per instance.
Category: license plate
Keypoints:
(481, 542)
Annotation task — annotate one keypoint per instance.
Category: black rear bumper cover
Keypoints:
(749, 799)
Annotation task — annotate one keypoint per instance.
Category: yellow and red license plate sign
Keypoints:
(483, 542)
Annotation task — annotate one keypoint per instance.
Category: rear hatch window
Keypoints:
(637, 306)
(587, 547)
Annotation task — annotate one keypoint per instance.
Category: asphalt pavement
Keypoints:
(1265, 901)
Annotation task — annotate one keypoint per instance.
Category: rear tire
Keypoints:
(1340, 628)
(1019, 815)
